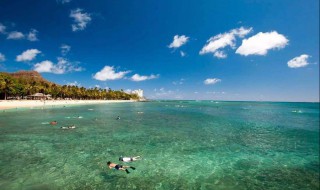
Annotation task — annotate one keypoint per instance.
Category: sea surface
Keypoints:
(183, 145)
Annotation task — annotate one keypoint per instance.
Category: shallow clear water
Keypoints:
(184, 145)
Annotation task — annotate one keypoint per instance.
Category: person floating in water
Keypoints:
(118, 118)
(119, 167)
(129, 159)
(53, 123)
(72, 127)
(69, 127)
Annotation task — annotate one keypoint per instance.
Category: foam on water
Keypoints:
(183, 145)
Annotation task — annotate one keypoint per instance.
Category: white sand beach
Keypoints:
(12, 104)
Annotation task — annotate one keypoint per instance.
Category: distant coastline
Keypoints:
(14, 104)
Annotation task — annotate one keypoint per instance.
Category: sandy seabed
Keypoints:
(11, 104)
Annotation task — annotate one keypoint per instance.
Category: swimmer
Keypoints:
(118, 118)
(68, 127)
(72, 127)
(53, 123)
(129, 159)
(119, 167)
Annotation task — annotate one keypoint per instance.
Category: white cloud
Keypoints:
(2, 28)
(2, 57)
(108, 73)
(32, 36)
(241, 32)
(44, 66)
(178, 41)
(137, 77)
(62, 66)
(260, 43)
(300, 61)
(220, 54)
(15, 35)
(182, 54)
(65, 49)
(28, 55)
(75, 83)
(80, 19)
(211, 81)
(220, 41)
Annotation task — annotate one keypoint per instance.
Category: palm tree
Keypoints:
(7, 85)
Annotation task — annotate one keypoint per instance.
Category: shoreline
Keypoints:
(14, 104)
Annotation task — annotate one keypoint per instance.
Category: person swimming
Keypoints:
(72, 127)
(69, 127)
(53, 123)
(129, 159)
(118, 118)
(119, 167)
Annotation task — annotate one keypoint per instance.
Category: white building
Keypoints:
(139, 92)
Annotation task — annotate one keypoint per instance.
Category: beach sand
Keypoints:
(11, 104)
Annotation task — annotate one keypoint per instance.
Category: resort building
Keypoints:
(139, 92)
(39, 96)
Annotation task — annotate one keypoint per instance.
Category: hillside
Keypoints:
(30, 76)
(21, 84)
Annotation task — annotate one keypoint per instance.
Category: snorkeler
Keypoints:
(72, 127)
(69, 127)
(129, 159)
(53, 123)
(119, 167)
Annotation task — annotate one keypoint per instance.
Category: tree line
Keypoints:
(21, 87)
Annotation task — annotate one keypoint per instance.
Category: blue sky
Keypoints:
(213, 50)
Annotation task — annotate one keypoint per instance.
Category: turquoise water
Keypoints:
(184, 145)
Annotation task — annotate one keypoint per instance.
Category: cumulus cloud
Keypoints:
(44, 66)
(65, 49)
(2, 57)
(108, 73)
(138, 78)
(178, 41)
(300, 61)
(2, 29)
(62, 66)
(81, 19)
(260, 43)
(220, 41)
(211, 81)
(28, 55)
(15, 35)
(32, 35)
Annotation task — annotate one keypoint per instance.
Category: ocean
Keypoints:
(183, 145)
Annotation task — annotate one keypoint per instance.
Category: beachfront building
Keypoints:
(138, 92)
(39, 96)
